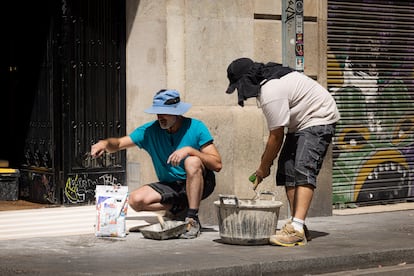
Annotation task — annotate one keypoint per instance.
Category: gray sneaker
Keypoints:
(193, 229)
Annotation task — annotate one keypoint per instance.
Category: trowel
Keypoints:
(255, 181)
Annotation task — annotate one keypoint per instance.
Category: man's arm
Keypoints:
(111, 145)
(274, 143)
(209, 155)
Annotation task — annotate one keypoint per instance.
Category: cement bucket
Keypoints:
(247, 221)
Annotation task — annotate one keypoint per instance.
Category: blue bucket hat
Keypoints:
(168, 102)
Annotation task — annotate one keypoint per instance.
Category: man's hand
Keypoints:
(99, 148)
(255, 179)
(262, 174)
(111, 145)
(177, 156)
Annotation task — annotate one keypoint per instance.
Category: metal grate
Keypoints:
(370, 73)
(80, 99)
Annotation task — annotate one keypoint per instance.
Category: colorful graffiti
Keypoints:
(371, 75)
(81, 187)
(374, 144)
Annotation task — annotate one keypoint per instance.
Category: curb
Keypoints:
(306, 266)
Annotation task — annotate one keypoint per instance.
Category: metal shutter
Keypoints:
(370, 74)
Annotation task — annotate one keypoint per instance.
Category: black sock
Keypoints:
(192, 213)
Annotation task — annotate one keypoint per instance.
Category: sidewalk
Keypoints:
(343, 241)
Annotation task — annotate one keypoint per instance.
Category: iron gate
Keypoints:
(80, 100)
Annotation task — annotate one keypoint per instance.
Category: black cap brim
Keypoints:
(231, 88)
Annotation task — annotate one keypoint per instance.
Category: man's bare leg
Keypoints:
(195, 182)
(302, 201)
(146, 198)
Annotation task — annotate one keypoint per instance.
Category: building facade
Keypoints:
(107, 59)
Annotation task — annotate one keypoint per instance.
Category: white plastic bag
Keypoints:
(111, 210)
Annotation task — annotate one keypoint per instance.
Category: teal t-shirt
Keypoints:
(160, 144)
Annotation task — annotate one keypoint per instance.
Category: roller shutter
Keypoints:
(370, 74)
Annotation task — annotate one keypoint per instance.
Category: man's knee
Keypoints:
(136, 201)
(142, 197)
(193, 165)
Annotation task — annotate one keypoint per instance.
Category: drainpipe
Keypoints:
(292, 34)
(292, 38)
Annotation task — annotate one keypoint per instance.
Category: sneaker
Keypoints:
(305, 229)
(288, 236)
(193, 229)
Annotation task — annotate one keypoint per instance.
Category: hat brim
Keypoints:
(178, 109)
(231, 88)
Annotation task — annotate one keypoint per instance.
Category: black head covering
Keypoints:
(247, 76)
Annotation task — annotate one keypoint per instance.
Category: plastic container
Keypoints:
(247, 221)
(9, 184)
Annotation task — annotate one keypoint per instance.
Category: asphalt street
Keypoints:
(347, 243)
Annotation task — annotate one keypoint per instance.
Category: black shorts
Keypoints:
(174, 193)
(302, 155)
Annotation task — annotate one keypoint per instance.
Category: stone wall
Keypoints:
(187, 45)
